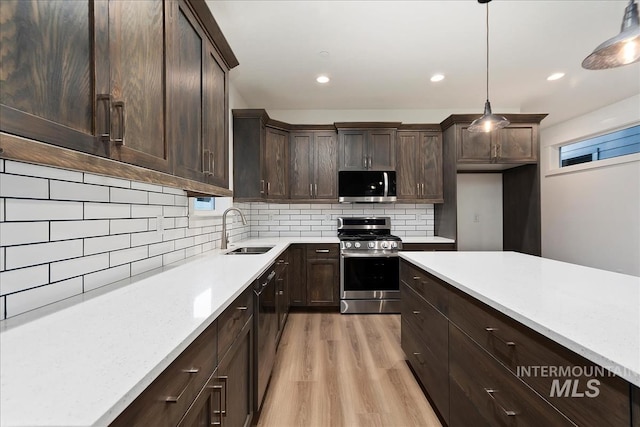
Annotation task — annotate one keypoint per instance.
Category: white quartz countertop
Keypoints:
(84, 364)
(432, 239)
(592, 312)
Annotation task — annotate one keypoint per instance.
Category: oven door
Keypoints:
(369, 276)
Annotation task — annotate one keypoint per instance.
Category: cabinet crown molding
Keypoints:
(513, 118)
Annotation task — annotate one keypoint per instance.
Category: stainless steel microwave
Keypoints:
(367, 186)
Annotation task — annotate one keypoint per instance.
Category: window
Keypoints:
(209, 206)
(614, 144)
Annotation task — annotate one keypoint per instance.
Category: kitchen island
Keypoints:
(518, 335)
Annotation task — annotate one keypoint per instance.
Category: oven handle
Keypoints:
(368, 254)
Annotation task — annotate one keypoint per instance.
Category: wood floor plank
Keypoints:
(343, 370)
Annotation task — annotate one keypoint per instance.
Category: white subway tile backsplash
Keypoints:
(105, 277)
(182, 201)
(97, 245)
(173, 234)
(193, 251)
(182, 222)
(125, 195)
(21, 233)
(40, 253)
(106, 210)
(21, 302)
(128, 255)
(120, 226)
(174, 211)
(161, 199)
(1, 259)
(171, 190)
(173, 256)
(145, 265)
(106, 180)
(2, 308)
(1, 209)
(23, 278)
(62, 190)
(23, 187)
(146, 186)
(145, 211)
(184, 243)
(29, 169)
(78, 266)
(64, 230)
(139, 239)
(160, 248)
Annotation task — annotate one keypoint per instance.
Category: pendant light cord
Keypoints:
(487, 51)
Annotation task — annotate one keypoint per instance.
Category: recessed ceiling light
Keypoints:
(437, 77)
(555, 76)
(322, 79)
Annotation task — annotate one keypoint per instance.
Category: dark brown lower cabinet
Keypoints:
(235, 374)
(206, 409)
(477, 365)
(297, 276)
(323, 275)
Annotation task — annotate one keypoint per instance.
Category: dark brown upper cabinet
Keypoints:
(313, 167)
(261, 156)
(199, 122)
(47, 90)
(419, 166)
(275, 181)
(140, 82)
(362, 148)
(518, 143)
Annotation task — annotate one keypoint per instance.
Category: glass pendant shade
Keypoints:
(622, 49)
(488, 121)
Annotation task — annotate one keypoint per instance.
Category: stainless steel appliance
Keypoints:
(266, 323)
(367, 186)
(369, 265)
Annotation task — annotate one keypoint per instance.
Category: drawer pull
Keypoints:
(175, 399)
(416, 277)
(506, 412)
(493, 331)
(322, 251)
(416, 311)
(242, 308)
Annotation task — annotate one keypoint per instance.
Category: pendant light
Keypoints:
(622, 49)
(488, 121)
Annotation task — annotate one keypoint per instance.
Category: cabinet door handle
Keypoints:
(176, 399)
(119, 106)
(105, 134)
(364, 162)
(206, 161)
(322, 251)
(506, 412)
(422, 189)
(262, 186)
(268, 188)
(223, 379)
(369, 162)
(416, 311)
(242, 308)
(280, 292)
(316, 187)
(492, 332)
(310, 190)
(217, 389)
(495, 151)
(213, 163)
(418, 184)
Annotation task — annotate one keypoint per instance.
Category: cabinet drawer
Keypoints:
(166, 400)
(523, 350)
(427, 286)
(485, 393)
(322, 251)
(232, 320)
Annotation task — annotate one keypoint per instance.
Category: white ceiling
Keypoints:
(383, 53)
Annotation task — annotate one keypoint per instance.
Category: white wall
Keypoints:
(591, 215)
(480, 212)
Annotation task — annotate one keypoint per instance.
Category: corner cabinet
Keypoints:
(313, 169)
(367, 148)
(419, 166)
(145, 84)
(261, 157)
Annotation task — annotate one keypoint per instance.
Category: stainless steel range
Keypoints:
(369, 265)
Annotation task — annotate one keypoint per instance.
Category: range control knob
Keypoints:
(347, 245)
(372, 245)
(385, 245)
(356, 244)
(394, 245)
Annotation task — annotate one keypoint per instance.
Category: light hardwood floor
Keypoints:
(343, 370)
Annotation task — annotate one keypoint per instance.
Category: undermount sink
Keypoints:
(250, 250)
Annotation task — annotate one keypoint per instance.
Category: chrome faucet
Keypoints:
(225, 235)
